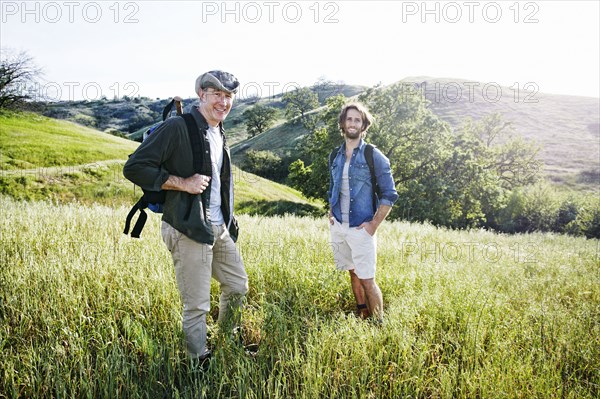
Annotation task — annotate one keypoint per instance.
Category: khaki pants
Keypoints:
(195, 264)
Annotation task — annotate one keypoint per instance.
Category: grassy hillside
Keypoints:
(28, 140)
(280, 139)
(88, 312)
(124, 115)
(43, 158)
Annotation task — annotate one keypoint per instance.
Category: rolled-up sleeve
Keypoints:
(385, 179)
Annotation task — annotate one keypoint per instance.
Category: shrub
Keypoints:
(85, 120)
(588, 221)
(265, 164)
(543, 208)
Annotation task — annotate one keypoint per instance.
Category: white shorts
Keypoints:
(354, 249)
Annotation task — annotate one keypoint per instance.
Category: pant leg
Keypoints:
(342, 254)
(192, 262)
(228, 269)
(363, 247)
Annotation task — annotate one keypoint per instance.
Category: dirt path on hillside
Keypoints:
(59, 170)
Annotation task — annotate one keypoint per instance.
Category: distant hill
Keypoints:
(43, 158)
(131, 117)
(566, 127)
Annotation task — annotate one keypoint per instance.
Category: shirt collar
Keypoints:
(360, 146)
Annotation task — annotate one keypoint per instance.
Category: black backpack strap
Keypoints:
(167, 109)
(139, 225)
(369, 158)
(195, 141)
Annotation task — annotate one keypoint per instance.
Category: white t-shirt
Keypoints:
(216, 158)
(345, 194)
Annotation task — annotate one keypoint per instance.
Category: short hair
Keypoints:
(366, 116)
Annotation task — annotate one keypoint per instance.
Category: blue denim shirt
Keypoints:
(361, 197)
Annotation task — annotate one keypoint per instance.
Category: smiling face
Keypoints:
(353, 124)
(215, 105)
(354, 120)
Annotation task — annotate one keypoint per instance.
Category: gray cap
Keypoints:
(218, 80)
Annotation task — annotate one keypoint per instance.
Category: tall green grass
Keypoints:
(86, 312)
(103, 183)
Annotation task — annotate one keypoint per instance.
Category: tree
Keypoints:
(298, 104)
(513, 158)
(18, 75)
(457, 179)
(418, 145)
(489, 163)
(313, 179)
(259, 118)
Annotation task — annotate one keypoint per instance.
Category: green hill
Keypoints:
(566, 127)
(42, 158)
(29, 140)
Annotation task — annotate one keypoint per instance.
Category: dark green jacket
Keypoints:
(168, 151)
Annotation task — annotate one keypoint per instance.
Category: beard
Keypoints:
(352, 135)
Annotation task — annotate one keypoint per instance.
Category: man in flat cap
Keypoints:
(198, 226)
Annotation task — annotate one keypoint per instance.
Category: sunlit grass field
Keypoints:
(86, 312)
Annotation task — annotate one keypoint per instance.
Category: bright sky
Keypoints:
(158, 48)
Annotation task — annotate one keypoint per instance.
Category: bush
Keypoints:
(265, 164)
(588, 221)
(116, 132)
(85, 120)
(543, 208)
